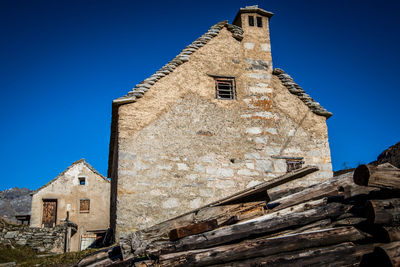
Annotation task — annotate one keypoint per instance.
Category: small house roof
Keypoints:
(67, 169)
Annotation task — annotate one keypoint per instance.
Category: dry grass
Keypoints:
(25, 256)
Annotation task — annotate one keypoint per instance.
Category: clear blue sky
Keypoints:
(62, 62)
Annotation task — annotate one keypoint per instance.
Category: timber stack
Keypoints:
(350, 220)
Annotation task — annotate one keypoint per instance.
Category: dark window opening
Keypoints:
(294, 164)
(84, 206)
(259, 22)
(251, 21)
(82, 180)
(225, 88)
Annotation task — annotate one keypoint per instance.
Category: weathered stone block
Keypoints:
(254, 130)
(248, 46)
(11, 234)
(264, 165)
(171, 203)
(182, 167)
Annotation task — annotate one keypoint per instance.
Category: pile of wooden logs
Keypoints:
(350, 220)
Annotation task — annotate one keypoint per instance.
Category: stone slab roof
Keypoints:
(67, 169)
(140, 89)
(296, 90)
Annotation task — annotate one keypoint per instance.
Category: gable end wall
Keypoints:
(180, 148)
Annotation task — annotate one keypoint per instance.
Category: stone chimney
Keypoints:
(256, 41)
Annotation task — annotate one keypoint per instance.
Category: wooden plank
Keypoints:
(192, 229)
(49, 213)
(262, 247)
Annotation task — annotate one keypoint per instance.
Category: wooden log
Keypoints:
(386, 176)
(263, 187)
(107, 254)
(315, 226)
(223, 210)
(347, 219)
(138, 241)
(312, 193)
(385, 211)
(261, 225)
(261, 247)
(345, 254)
(384, 255)
(192, 229)
(298, 208)
(392, 233)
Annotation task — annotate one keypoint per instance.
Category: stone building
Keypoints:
(214, 120)
(79, 195)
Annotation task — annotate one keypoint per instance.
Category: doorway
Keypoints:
(49, 212)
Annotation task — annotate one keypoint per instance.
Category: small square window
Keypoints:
(82, 180)
(84, 206)
(225, 88)
(293, 164)
(259, 22)
(251, 20)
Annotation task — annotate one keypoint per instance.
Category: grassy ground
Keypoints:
(25, 256)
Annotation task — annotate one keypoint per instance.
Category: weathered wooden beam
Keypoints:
(263, 187)
(192, 229)
(316, 192)
(345, 254)
(261, 225)
(262, 247)
(382, 176)
(385, 211)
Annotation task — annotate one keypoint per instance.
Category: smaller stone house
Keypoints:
(80, 195)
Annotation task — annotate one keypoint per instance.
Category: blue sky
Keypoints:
(62, 62)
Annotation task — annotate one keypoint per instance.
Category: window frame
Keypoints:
(251, 21)
(293, 164)
(80, 205)
(230, 81)
(80, 179)
(259, 22)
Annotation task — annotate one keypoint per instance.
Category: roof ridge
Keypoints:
(140, 89)
(67, 169)
(296, 90)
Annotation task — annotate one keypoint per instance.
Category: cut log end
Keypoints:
(382, 258)
(361, 175)
(370, 212)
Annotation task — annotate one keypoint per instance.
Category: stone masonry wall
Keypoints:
(40, 239)
(180, 148)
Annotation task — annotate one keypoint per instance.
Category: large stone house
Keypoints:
(214, 120)
(80, 195)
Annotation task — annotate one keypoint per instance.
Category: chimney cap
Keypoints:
(252, 9)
